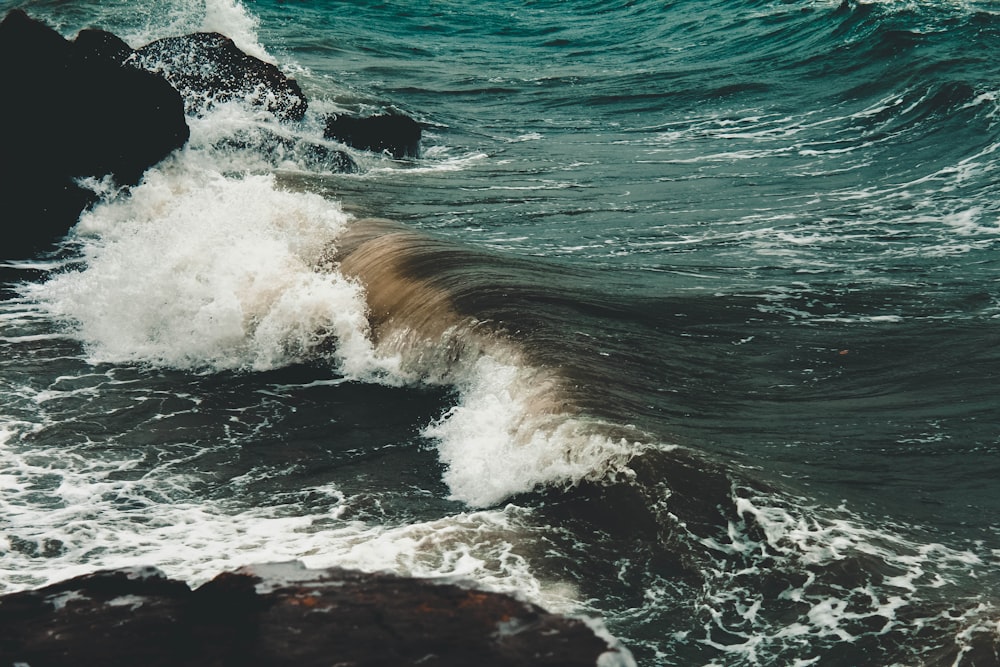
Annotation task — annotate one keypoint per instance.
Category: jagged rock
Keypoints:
(70, 111)
(101, 44)
(208, 68)
(284, 614)
(391, 133)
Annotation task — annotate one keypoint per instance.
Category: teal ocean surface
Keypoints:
(686, 318)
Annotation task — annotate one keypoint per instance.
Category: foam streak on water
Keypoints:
(65, 513)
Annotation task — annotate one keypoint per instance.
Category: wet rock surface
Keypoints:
(284, 614)
(392, 133)
(208, 68)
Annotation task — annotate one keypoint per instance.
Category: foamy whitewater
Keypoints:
(684, 320)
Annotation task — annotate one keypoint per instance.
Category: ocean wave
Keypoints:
(749, 291)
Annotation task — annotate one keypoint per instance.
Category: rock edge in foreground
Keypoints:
(285, 614)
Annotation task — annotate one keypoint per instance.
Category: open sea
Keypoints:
(686, 319)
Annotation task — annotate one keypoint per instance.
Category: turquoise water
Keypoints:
(696, 329)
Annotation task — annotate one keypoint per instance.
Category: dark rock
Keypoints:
(208, 68)
(319, 157)
(71, 111)
(277, 148)
(102, 45)
(391, 133)
(286, 615)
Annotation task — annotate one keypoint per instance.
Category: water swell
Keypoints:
(198, 271)
(516, 425)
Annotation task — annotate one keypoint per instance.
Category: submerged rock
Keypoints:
(391, 133)
(284, 614)
(71, 110)
(208, 68)
(277, 148)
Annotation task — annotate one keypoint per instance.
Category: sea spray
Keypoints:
(70, 510)
(506, 437)
(197, 270)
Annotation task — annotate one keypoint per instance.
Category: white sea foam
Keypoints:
(230, 18)
(66, 512)
(72, 509)
(509, 434)
(83, 505)
(837, 601)
(197, 270)
(208, 265)
(181, 17)
(442, 163)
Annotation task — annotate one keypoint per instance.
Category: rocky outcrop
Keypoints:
(391, 133)
(94, 107)
(277, 148)
(70, 110)
(208, 68)
(285, 614)
(91, 43)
